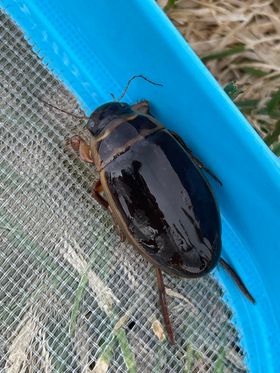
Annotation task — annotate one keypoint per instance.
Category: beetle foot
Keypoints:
(79, 145)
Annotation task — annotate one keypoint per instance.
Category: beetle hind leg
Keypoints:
(164, 308)
(237, 280)
(194, 158)
(117, 225)
(96, 194)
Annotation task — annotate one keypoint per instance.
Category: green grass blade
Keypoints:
(170, 4)
(255, 72)
(128, 355)
(103, 362)
(273, 136)
(274, 103)
(189, 359)
(276, 149)
(224, 53)
(274, 114)
(76, 305)
(246, 106)
(220, 365)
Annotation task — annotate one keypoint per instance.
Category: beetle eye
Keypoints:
(90, 123)
(92, 127)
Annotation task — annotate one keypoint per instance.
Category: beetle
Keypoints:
(156, 192)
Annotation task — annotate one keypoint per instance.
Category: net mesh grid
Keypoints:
(72, 295)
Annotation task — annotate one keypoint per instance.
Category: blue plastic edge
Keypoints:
(259, 326)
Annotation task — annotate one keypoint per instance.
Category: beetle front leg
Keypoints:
(79, 145)
(142, 106)
(164, 308)
(194, 158)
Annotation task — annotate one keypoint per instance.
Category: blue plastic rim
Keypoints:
(95, 47)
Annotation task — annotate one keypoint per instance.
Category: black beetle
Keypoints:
(154, 188)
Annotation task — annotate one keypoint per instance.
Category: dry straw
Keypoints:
(239, 41)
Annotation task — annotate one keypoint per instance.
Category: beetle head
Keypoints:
(104, 114)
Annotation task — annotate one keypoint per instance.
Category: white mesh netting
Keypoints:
(73, 298)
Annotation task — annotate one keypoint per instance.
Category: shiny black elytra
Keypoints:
(155, 191)
(157, 195)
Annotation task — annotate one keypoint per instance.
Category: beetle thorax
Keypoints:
(119, 134)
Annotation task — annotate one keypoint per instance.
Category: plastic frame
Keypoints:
(95, 47)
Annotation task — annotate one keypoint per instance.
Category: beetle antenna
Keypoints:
(112, 95)
(62, 110)
(134, 77)
(237, 280)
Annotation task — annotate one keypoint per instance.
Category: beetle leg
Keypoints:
(96, 194)
(195, 159)
(82, 148)
(117, 226)
(142, 106)
(201, 165)
(164, 308)
(237, 280)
